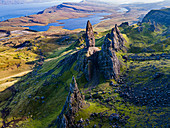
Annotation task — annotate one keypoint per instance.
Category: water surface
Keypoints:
(18, 10)
(72, 24)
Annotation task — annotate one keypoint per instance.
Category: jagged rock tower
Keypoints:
(117, 38)
(90, 40)
(108, 62)
(74, 101)
(92, 61)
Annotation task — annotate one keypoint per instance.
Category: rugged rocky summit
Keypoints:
(124, 24)
(109, 64)
(118, 41)
(90, 40)
(74, 102)
(92, 60)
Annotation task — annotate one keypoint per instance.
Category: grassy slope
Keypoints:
(30, 90)
(41, 94)
(17, 60)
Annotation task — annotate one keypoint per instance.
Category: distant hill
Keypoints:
(21, 1)
(158, 16)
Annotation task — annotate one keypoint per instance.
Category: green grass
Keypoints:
(41, 94)
(145, 38)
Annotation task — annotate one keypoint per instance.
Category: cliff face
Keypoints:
(74, 102)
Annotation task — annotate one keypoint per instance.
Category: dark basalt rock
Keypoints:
(87, 62)
(139, 29)
(90, 40)
(117, 38)
(108, 62)
(74, 101)
(92, 61)
(124, 24)
(87, 58)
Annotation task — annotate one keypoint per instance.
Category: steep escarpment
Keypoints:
(118, 41)
(90, 39)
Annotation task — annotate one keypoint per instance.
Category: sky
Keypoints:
(130, 1)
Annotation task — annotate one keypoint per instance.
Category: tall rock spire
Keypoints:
(90, 40)
(108, 62)
(74, 102)
(118, 41)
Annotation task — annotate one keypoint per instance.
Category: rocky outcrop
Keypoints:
(124, 24)
(118, 41)
(108, 62)
(87, 62)
(92, 61)
(74, 101)
(90, 39)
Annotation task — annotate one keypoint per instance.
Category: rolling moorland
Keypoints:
(115, 78)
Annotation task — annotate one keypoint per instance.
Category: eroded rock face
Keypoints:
(117, 38)
(92, 60)
(87, 60)
(107, 60)
(74, 101)
(90, 40)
